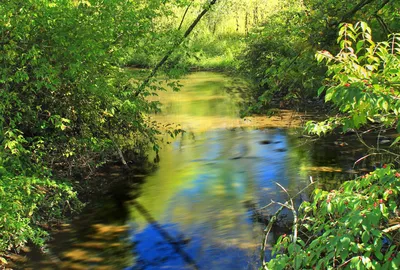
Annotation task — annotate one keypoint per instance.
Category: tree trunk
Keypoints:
(246, 23)
(255, 16)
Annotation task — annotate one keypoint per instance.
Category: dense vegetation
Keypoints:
(279, 57)
(66, 105)
(216, 42)
(69, 104)
(354, 227)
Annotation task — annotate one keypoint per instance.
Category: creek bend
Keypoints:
(201, 208)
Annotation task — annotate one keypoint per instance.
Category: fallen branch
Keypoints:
(267, 231)
(275, 217)
(391, 229)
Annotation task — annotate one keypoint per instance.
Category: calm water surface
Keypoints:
(200, 208)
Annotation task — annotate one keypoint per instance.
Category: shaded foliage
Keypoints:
(355, 226)
(279, 56)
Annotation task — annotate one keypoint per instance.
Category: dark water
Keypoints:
(201, 208)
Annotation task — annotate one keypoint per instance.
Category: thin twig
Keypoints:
(362, 141)
(267, 231)
(346, 262)
(184, 15)
(120, 154)
(378, 138)
(295, 225)
(271, 203)
(364, 157)
(274, 218)
(390, 152)
(297, 194)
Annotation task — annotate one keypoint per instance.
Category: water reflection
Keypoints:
(209, 186)
(207, 190)
(157, 230)
(101, 247)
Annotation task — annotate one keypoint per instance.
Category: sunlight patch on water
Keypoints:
(203, 104)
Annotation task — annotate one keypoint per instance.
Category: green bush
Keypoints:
(66, 103)
(61, 79)
(279, 57)
(28, 206)
(364, 80)
(353, 227)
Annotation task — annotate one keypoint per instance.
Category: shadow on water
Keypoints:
(202, 207)
(176, 244)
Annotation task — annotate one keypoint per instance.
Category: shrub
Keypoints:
(28, 206)
(354, 227)
(364, 80)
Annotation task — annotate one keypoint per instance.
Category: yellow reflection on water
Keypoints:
(201, 107)
(102, 248)
(323, 169)
(203, 104)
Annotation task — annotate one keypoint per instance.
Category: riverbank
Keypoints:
(104, 195)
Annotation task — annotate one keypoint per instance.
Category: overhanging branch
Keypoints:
(184, 15)
(352, 12)
(176, 45)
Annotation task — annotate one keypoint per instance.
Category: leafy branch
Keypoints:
(353, 226)
(363, 82)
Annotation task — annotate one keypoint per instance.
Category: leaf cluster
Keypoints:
(363, 82)
(27, 205)
(354, 227)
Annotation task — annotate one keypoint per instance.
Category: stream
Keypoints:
(201, 207)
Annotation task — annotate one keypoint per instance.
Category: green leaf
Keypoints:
(320, 90)
(298, 261)
(379, 254)
(365, 237)
(395, 141)
(344, 253)
(329, 207)
(359, 45)
(329, 94)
